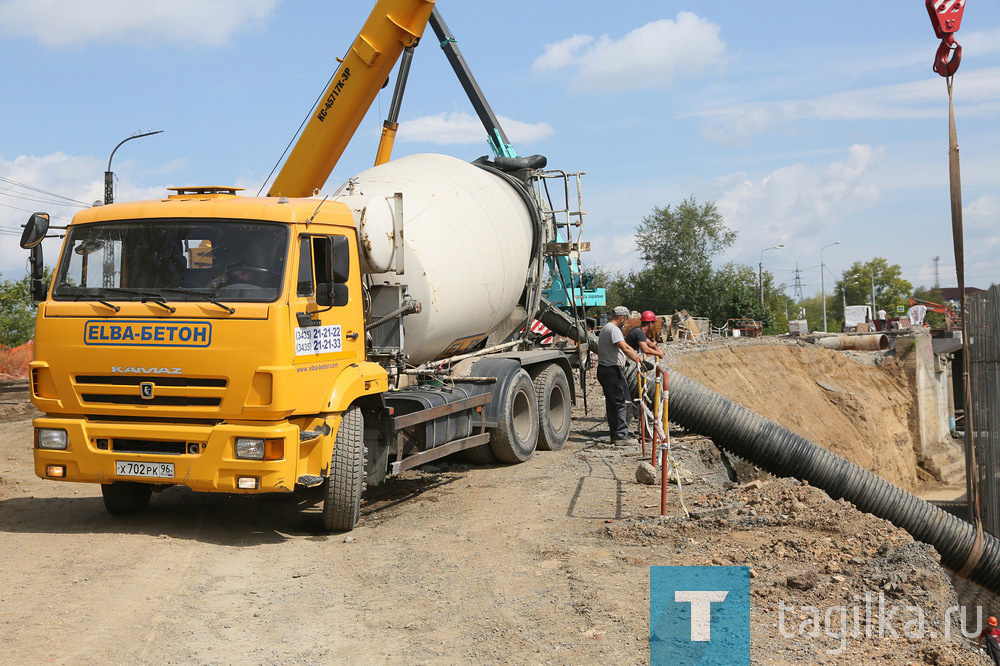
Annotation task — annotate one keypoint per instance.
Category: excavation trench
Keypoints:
(781, 452)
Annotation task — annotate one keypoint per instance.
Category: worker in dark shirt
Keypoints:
(638, 337)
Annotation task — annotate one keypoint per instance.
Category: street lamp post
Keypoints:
(874, 307)
(822, 279)
(109, 195)
(760, 270)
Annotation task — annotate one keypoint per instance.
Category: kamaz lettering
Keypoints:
(130, 370)
(144, 333)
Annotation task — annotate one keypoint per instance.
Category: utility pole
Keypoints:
(937, 274)
(822, 279)
(874, 307)
(760, 270)
(798, 283)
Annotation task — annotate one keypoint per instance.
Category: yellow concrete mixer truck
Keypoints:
(257, 344)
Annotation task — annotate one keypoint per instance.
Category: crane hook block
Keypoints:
(946, 16)
(944, 66)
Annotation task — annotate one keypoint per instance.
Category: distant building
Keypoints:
(950, 295)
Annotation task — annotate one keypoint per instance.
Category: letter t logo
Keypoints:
(701, 610)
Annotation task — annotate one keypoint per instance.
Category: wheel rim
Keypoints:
(521, 417)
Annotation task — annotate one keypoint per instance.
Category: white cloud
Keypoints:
(799, 201)
(651, 56)
(58, 24)
(616, 253)
(80, 178)
(978, 95)
(983, 213)
(561, 54)
(77, 177)
(463, 128)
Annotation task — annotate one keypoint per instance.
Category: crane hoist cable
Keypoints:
(946, 17)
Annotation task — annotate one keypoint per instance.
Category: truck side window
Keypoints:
(305, 279)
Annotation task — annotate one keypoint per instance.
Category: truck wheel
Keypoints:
(554, 408)
(122, 498)
(343, 488)
(481, 455)
(516, 436)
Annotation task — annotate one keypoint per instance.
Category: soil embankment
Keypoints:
(862, 412)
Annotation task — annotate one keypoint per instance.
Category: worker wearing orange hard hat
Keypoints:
(991, 636)
(639, 337)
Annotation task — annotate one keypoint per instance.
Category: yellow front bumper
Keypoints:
(214, 468)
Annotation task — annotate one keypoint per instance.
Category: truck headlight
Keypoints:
(51, 438)
(249, 448)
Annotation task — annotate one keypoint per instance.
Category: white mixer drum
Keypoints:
(467, 243)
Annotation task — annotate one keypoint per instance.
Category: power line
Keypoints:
(4, 192)
(41, 191)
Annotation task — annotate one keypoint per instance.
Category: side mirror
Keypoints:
(38, 286)
(35, 230)
(334, 272)
(332, 295)
(340, 267)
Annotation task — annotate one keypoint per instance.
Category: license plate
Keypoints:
(144, 469)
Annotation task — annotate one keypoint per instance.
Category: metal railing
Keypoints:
(984, 411)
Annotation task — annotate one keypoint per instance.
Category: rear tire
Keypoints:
(481, 455)
(555, 412)
(346, 482)
(122, 498)
(515, 437)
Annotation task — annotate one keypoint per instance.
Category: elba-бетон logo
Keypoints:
(697, 615)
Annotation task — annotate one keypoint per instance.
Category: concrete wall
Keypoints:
(929, 377)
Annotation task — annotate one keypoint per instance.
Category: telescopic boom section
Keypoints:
(392, 26)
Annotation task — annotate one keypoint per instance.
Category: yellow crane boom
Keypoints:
(392, 26)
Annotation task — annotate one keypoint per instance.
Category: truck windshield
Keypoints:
(174, 260)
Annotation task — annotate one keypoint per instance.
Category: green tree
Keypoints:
(856, 285)
(612, 281)
(813, 307)
(735, 294)
(677, 245)
(17, 311)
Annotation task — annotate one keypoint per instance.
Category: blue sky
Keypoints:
(807, 123)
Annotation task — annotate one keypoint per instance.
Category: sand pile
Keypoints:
(861, 412)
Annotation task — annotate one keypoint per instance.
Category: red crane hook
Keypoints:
(946, 17)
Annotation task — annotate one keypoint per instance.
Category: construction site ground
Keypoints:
(545, 562)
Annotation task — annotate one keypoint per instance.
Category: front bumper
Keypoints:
(213, 468)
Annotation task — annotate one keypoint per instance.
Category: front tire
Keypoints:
(123, 498)
(346, 482)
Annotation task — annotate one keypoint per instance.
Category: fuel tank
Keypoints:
(467, 239)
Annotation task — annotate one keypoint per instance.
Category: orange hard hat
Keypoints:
(647, 316)
(992, 621)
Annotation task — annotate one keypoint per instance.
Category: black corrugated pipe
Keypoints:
(783, 453)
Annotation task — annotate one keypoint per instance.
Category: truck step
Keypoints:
(308, 480)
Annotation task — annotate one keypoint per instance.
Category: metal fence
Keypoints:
(983, 328)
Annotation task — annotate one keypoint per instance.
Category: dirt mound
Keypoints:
(859, 411)
(807, 552)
